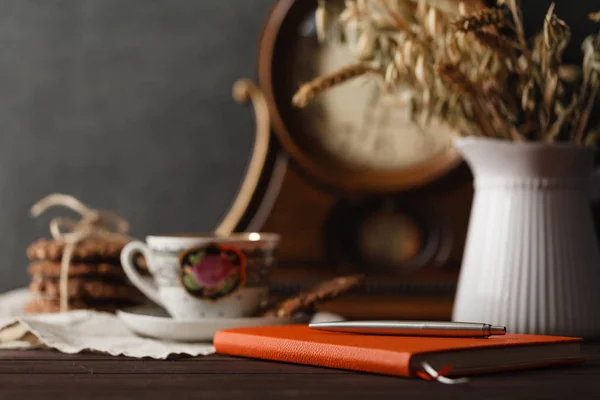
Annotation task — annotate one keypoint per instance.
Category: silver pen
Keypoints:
(412, 328)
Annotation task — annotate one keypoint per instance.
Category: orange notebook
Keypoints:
(397, 355)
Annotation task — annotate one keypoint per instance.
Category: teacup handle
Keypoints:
(145, 284)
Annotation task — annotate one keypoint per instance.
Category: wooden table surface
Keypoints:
(48, 375)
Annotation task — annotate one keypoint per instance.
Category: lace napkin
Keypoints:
(83, 330)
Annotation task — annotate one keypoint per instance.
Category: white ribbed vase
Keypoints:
(531, 261)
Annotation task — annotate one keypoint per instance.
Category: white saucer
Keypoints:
(154, 322)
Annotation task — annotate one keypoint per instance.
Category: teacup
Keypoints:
(204, 276)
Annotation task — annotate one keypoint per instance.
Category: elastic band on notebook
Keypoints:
(431, 373)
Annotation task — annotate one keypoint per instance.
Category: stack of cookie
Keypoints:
(96, 279)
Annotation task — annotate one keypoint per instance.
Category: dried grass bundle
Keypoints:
(476, 71)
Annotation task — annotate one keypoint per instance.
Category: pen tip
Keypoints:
(498, 330)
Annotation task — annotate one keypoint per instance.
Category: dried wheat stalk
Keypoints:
(516, 15)
(309, 91)
(502, 45)
(481, 19)
(457, 80)
(321, 20)
(591, 84)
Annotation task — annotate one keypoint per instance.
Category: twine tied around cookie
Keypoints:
(94, 223)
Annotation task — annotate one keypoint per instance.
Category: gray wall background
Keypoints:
(125, 104)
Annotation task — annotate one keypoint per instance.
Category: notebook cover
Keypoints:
(389, 355)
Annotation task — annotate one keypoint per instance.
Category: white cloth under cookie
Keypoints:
(83, 330)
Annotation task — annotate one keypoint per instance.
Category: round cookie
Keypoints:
(92, 249)
(84, 289)
(52, 269)
(43, 306)
(321, 292)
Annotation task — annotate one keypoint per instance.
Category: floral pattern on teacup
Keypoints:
(212, 272)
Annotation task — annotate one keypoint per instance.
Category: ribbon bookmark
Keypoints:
(94, 223)
(430, 373)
